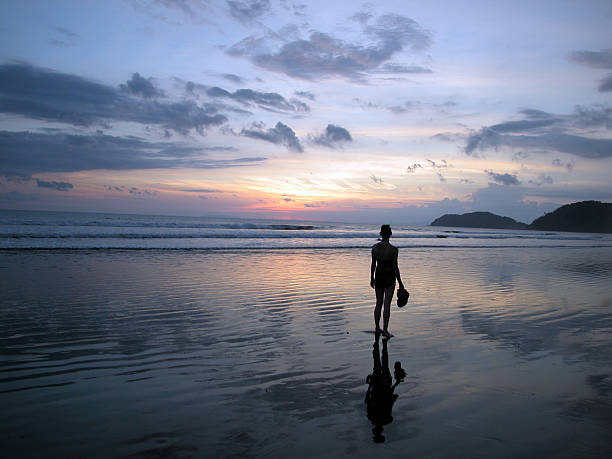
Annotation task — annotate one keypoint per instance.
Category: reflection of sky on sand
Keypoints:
(507, 352)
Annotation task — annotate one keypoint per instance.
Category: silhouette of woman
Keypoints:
(383, 272)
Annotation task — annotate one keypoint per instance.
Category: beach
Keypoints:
(205, 204)
(195, 353)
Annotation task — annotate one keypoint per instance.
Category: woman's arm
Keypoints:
(396, 270)
(372, 269)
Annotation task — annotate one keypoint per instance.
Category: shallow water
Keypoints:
(111, 353)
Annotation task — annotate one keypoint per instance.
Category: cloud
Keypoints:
(375, 179)
(43, 94)
(16, 196)
(195, 90)
(401, 68)
(334, 136)
(305, 94)
(247, 10)
(595, 59)
(448, 137)
(440, 165)
(564, 194)
(605, 84)
(193, 10)
(397, 109)
(265, 100)
(141, 86)
(437, 166)
(59, 186)
(504, 179)
(16, 177)
(533, 113)
(568, 165)
(406, 106)
(29, 153)
(520, 155)
(23, 177)
(201, 190)
(64, 38)
(598, 60)
(522, 125)
(595, 116)
(233, 78)
(298, 10)
(323, 56)
(564, 143)
(365, 104)
(362, 17)
(541, 180)
(546, 132)
(139, 192)
(279, 134)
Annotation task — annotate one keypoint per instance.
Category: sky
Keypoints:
(390, 111)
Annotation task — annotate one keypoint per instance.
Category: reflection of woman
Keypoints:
(380, 395)
(383, 272)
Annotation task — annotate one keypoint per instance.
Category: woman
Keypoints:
(383, 272)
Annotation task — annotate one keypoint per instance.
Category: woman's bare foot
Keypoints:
(386, 334)
(378, 331)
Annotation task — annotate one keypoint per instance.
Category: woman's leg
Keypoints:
(388, 296)
(380, 294)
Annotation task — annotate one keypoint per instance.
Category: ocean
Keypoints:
(157, 336)
(67, 230)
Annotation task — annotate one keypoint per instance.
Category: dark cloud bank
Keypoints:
(546, 132)
(42, 94)
(29, 153)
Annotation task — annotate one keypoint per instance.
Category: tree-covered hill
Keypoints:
(585, 216)
(478, 220)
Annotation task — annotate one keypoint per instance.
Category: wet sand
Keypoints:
(507, 352)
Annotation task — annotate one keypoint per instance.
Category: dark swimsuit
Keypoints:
(385, 274)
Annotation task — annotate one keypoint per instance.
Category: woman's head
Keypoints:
(385, 231)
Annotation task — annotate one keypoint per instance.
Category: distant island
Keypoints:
(478, 220)
(585, 216)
